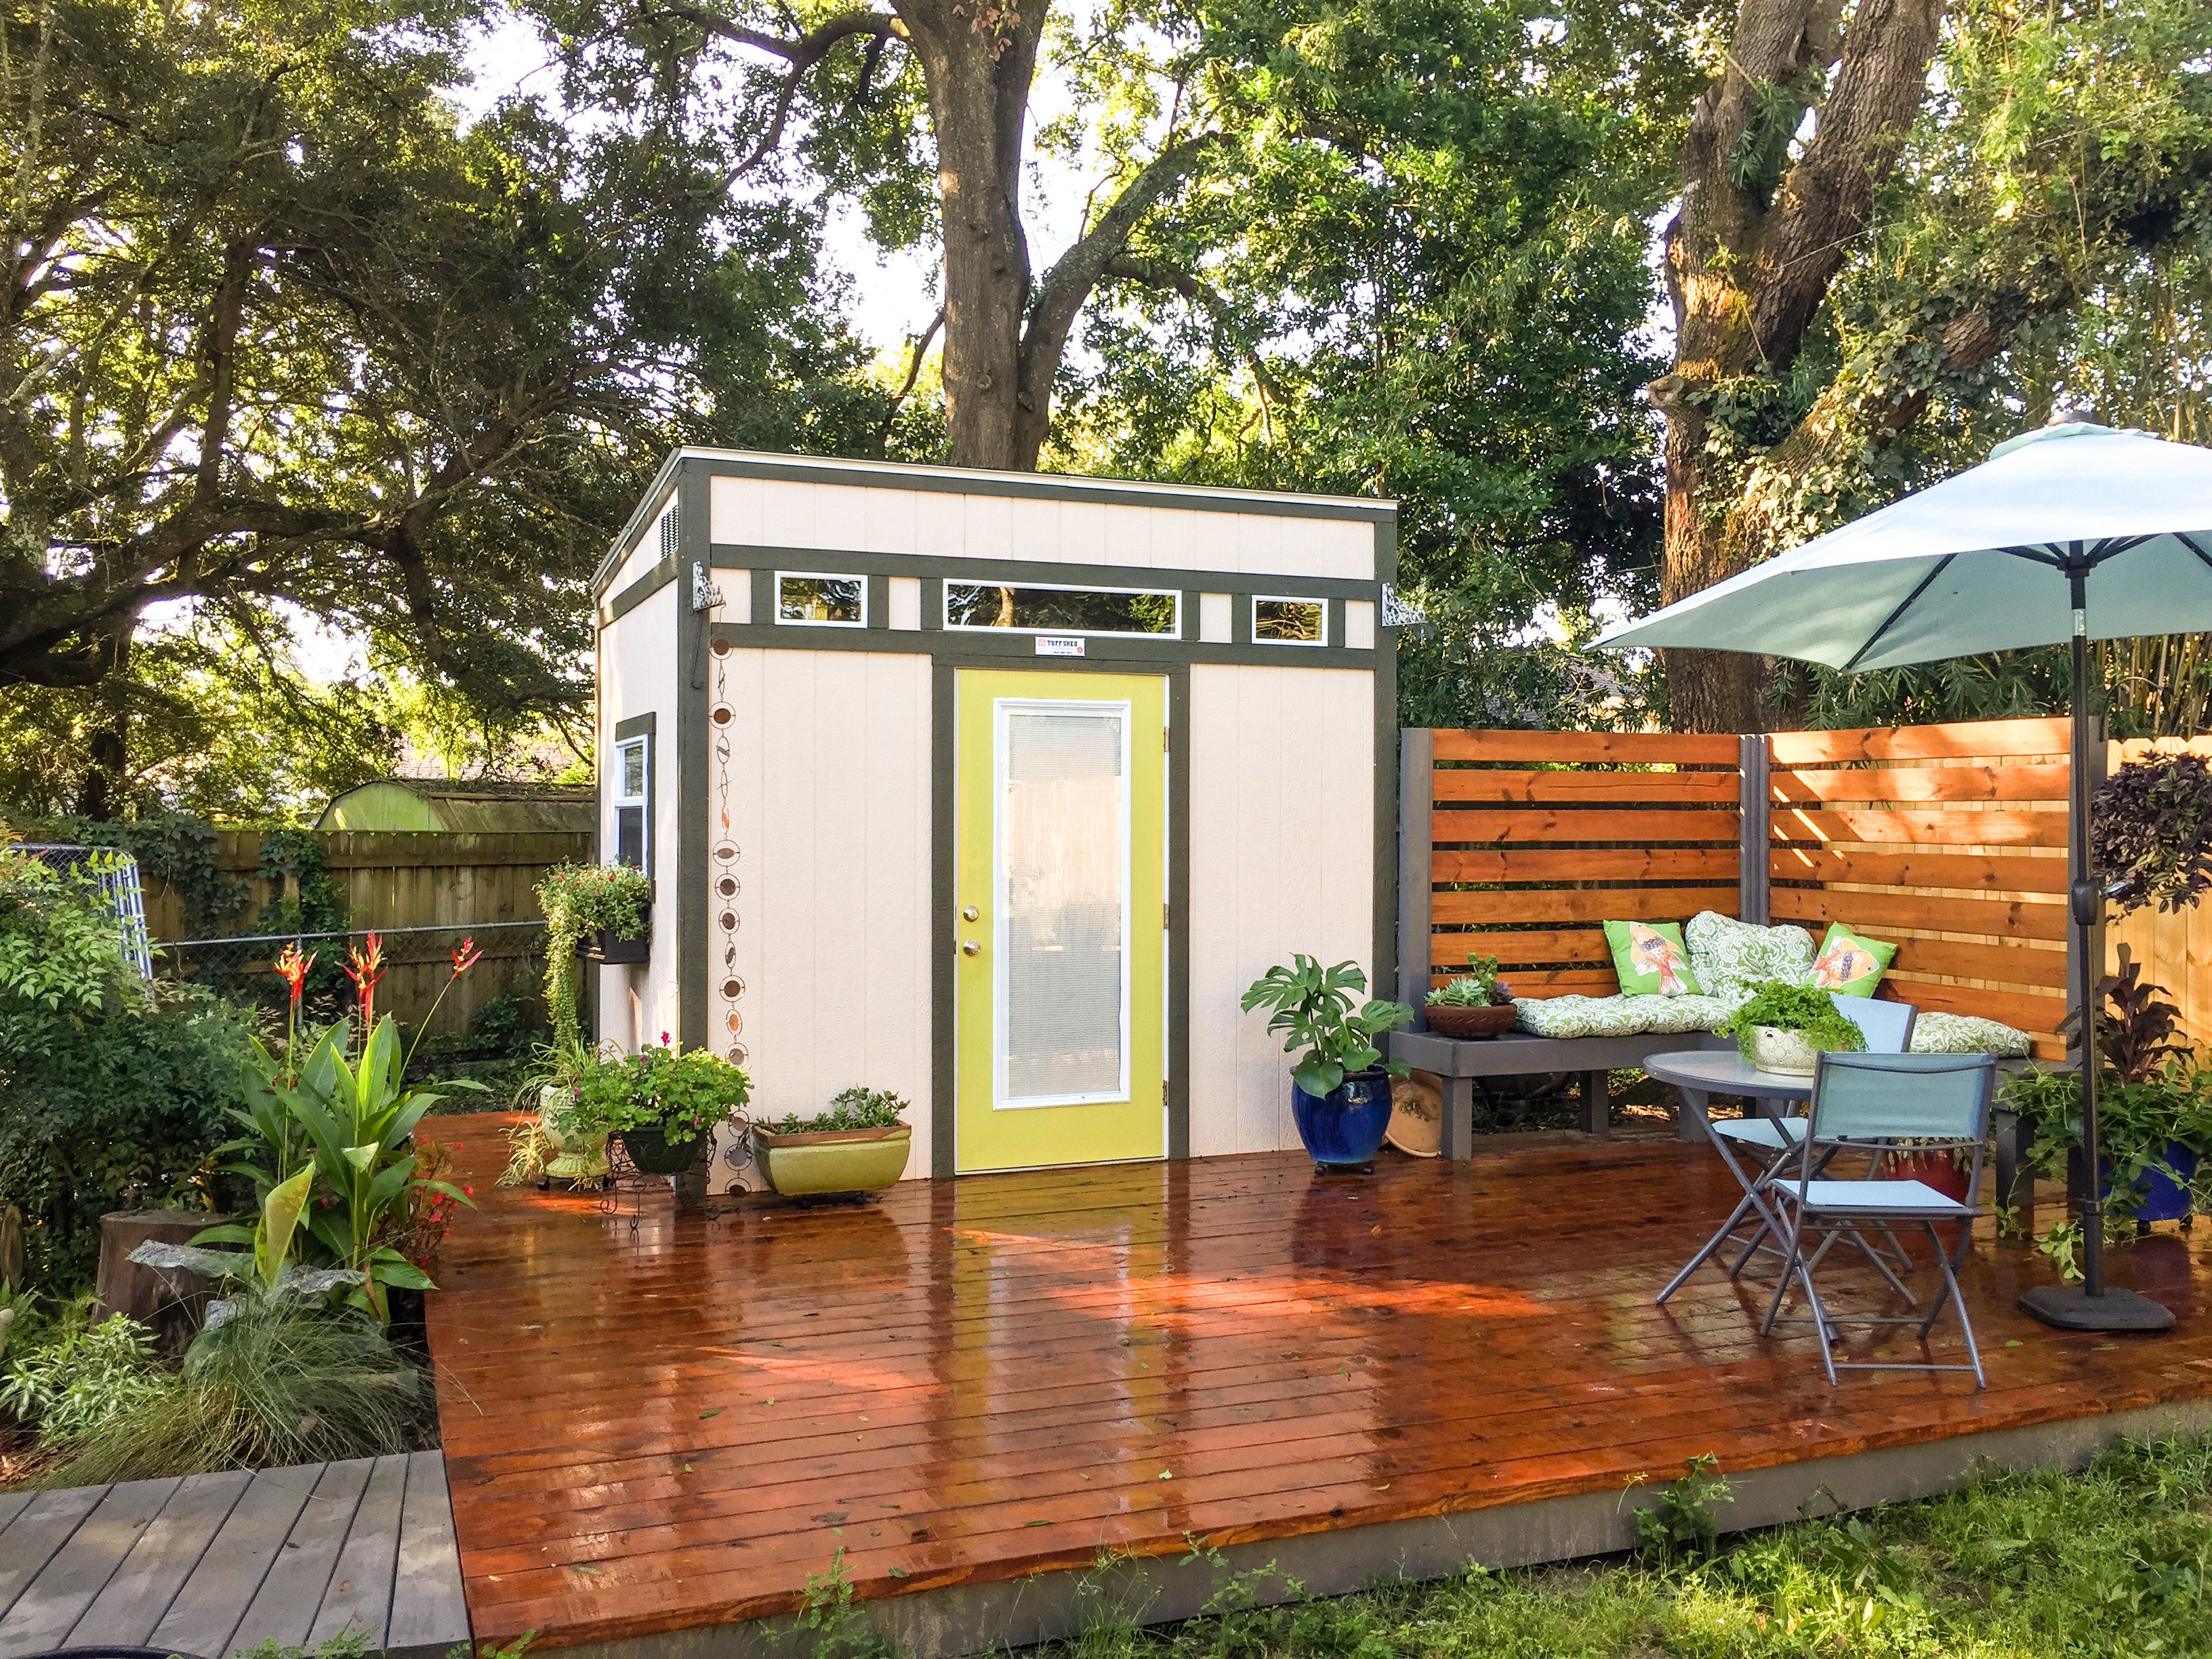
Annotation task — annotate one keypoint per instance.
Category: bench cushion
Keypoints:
(1623, 1016)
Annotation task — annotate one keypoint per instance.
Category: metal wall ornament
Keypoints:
(737, 1154)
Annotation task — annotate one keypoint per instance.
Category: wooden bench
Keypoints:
(1457, 1061)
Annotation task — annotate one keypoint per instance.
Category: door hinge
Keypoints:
(1167, 917)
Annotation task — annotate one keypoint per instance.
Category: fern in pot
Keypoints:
(1784, 1028)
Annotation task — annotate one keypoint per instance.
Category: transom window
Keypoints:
(812, 601)
(1289, 622)
(1031, 608)
(633, 801)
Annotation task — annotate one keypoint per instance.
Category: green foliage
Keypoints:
(70, 1378)
(580, 900)
(352, 1122)
(112, 1093)
(279, 1382)
(1478, 988)
(1319, 1010)
(1682, 1526)
(2150, 830)
(2107, 1561)
(683, 1094)
(1789, 1008)
(852, 1109)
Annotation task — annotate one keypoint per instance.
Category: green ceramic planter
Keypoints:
(833, 1160)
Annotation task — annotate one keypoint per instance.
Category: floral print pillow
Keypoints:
(1730, 956)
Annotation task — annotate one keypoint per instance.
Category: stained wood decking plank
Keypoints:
(135, 1600)
(359, 1593)
(430, 1614)
(12, 1503)
(285, 1607)
(50, 1605)
(1293, 1350)
(37, 1534)
(208, 1606)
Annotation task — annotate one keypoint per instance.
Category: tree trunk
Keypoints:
(978, 63)
(1750, 256)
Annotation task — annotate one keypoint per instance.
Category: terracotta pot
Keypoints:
(1446, 1019)
(818, 1161)
(1937, 1169)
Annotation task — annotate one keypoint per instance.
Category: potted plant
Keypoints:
(1340, 1087)
(860, 1146)
(1474, 1004)
(663, 1105)
(1785, 1027)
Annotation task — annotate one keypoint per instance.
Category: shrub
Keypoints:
(112, 1093)
(74, 1378)
(279, 1382)
(580, 899)
(2151, 832)
(683, 1094)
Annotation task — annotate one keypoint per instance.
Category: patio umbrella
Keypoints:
(2073, 532)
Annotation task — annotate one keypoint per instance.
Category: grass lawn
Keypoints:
(2111, 1562)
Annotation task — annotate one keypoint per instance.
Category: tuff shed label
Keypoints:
(1060, 645)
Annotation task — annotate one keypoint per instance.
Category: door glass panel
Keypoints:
(1063, 911)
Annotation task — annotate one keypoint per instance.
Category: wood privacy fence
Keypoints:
(1949, 840)
(451, 883)
(2175, 947)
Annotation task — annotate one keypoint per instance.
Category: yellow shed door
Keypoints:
(1061, 831)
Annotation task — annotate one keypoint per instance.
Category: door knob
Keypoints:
(969, 947)
(969, 913)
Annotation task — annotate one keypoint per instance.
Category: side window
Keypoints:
(634, 802)
(1289, 622)
(821, 601)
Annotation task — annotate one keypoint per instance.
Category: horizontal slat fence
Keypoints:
(1535, 839)
(1950, 840)
(409, 880)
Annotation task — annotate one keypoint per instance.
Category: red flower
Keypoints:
(365, 968)
(292, 967)
(469, 1192)
(467, 956)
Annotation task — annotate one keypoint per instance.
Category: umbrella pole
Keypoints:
(2090, 1305)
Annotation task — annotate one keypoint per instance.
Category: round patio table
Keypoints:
(1701, 1073)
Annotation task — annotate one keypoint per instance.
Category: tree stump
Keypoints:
(169, 1301)
(11, 1246)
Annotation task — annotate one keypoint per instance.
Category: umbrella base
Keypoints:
(2070, 1308)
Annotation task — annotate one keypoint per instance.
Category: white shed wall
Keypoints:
(849, 518)
(829, 806)
(638, 670)
(1282, 860)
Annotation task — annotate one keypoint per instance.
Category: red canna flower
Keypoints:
(365, 967)
(292, 967)
(467, 956)
(468, 1192)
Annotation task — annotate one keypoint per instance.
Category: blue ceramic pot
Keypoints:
(1345, 1126)
(2167, 1200)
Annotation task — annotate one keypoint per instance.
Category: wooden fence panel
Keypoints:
(394, 880)
(1528, 841)
(2174, 947)
(1948, 839)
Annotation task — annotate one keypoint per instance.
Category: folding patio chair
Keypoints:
(1756, 1148)
(1875, 1102)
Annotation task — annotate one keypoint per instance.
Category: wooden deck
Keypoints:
(213, 1562)
(672, 1427)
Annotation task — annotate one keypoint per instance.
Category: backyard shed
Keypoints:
(914, 756)
(481, 806)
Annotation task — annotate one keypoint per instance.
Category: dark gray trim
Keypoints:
(1416, 862)
(1754, 827)
(879, 602)
(647, 509)
(639, 591)
(933, 604)
(1384, 658)
(637, 725)
(1003, 1616)
(1010, 647)
(1044, 572)
(1177, 1035)
(763, 607)
(1028, 486)
(694, 693)
(944, 930)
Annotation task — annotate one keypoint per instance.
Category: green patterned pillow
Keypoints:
(1730, 956)
(1966, 1034)
(1651, 959)
(1851, 964)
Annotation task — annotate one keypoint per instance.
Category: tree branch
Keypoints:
(906, 390)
